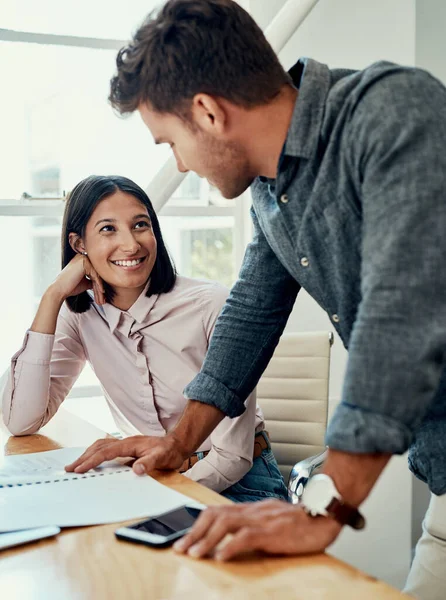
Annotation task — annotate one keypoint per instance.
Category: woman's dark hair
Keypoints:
(196, 46)
(80, 205)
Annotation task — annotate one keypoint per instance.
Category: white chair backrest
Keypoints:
(293, 394)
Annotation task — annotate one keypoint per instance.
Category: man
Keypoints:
(347, 171)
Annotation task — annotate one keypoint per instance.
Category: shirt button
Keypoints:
(304, 261)
(335, 318)
(284, 198)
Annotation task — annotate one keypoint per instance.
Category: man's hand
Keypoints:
(280, 528)
(151, 453)
(272, 526)
(168, 452)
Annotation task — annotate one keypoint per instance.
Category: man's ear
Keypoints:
(76, 243)
(209, 113)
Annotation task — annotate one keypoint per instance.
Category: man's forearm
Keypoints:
(196, 424)
(354, 474)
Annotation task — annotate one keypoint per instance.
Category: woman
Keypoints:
(119, 305)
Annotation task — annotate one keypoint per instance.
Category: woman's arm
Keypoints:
(46, 317)
(41, 375)
(46, 367)
(77, 277)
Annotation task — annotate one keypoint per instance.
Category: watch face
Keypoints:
(318, 494)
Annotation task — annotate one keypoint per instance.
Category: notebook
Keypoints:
(35, 491)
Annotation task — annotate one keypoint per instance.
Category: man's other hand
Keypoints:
(271, 526)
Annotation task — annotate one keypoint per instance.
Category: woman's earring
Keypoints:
(84, 253)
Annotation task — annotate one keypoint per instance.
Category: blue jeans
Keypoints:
(262, 481)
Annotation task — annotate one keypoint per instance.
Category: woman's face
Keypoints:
(120, 242)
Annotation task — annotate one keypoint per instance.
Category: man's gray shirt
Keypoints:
(357, 217)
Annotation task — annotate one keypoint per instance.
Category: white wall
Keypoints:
(430, 54)
(348, 33)
(430, 47)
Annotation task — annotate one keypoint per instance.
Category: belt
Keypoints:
(261, 443)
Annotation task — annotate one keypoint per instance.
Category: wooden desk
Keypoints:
(89, 563)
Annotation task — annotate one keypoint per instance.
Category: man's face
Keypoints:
(221, 161)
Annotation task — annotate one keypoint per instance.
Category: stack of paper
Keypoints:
(36, 491)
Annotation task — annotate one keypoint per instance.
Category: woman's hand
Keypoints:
(77, 277)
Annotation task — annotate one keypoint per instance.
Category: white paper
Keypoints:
(115, 495)
(48, 466)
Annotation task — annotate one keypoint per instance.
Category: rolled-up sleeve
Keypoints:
(41, 375)
(397, 349)
(247, 330)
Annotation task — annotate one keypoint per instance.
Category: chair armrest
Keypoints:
(300, 475)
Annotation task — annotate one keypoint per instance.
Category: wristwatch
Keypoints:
(320, 497)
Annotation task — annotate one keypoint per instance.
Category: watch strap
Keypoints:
(345, 513)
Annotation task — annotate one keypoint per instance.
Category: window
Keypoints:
(101, 19)
(209, 251)
(202, 247)
(57, 128)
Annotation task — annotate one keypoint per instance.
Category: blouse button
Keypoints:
(304, 261)
(335, 318)
(284, 199)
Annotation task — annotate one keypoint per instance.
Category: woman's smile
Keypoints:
(130, 264)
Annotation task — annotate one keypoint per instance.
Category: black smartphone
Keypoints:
(162, 530)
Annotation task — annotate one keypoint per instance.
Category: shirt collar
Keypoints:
(304, 130)
(138, 311)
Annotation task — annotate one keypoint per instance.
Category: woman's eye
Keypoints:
(107, 228)
(141, 224)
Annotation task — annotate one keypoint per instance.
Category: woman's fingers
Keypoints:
(98, 288)
(98, 293)
(96, 282)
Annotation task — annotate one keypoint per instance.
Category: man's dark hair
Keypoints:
(80, 206)
(196, 46)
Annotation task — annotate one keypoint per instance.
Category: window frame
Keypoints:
(50, 206)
